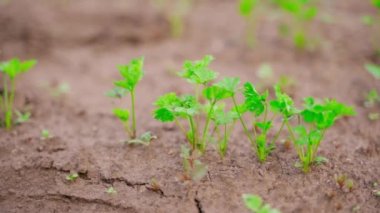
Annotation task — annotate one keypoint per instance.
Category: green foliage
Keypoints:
(246, 7)
(188, 108)
(198, 72)
(283, 104)
(376, 3)
(10, 70)
(72, 177)
(131, 74)
(256, 204)
(318, 117)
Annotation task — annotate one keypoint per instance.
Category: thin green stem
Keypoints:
(205, 130)
(194, 132)
(6, 103)
(133, 135)
(278, 133)
(246, 131)
(11, 103)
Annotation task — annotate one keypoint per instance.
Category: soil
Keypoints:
(80, 42)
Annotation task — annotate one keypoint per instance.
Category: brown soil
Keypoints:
(80, 42)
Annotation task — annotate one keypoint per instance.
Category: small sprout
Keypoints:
(256, 204)
(344, 182)
(155, 186)
(10, 70)
(45, 134)
(376, 193)
(132, 74)
(72, 177)
(340, 180)
(367, 20)
(22, 117)
(111, 190)
(349, 184)
(265, 71)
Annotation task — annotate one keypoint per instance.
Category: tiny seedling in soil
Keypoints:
(111, 190)
(193, 168)
(10, 70)
(45, 134)
(131, 74)
(72, 177)
(22, 117)
(317, 119)
(376, 193)
(256, 204)
(344, 182)
(302, 13)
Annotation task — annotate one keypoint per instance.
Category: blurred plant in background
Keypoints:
(175, 12)
(373, 21)
(298, 25)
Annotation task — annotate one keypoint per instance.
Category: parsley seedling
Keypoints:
(317, 118)
(131, 74)
(256, 204)
(11, 70)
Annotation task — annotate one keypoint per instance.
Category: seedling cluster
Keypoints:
(296, 18)
(9, 72)
(203, 117)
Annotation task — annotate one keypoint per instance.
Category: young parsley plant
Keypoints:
(10, 70)
(131, 74)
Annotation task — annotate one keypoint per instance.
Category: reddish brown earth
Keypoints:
(80, 42)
